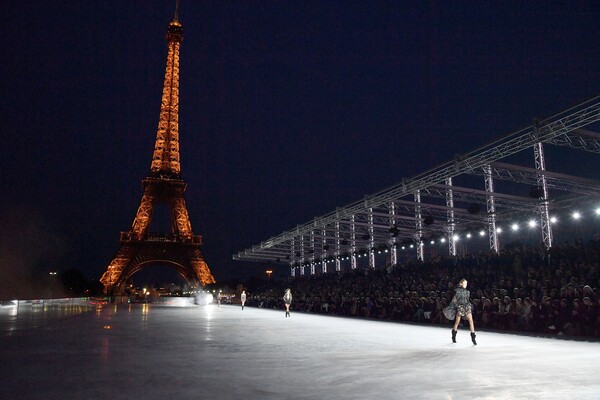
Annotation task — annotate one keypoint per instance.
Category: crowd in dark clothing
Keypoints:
(520, 289)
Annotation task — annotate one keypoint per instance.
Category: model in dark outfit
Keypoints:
(287, 299)
(459, 307)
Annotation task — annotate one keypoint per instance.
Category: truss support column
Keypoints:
(450, 217)
(491, 209)
(292, 254)
(338, 262)
(419, 226)
(352, 243)
(371, 240)
(393, 249)
(312, 252)
(324, 257)
(540, 165)
(302, 255)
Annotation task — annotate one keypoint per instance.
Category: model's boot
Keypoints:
(453, 336)
(473, 338)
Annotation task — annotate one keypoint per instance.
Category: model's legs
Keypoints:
(472, 327)
(456, 322)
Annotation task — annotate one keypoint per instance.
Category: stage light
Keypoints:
(403, 248)
(532, 223)
(553, 220)
(433, 242)
(498, 230)
(443, 240)
(455, 238)
(515, 227)
(412, 246)
(597, 211)
(482, 233)
(468, 236)
(576, 215)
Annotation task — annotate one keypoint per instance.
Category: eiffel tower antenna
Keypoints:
(176, 18)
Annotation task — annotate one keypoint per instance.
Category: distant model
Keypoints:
(243, 298)
(287, 299)
(459, 307)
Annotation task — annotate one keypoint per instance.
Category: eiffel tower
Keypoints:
(180, 249)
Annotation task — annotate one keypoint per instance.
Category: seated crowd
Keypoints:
(521, 289)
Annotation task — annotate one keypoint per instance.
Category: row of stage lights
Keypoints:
(532, 223)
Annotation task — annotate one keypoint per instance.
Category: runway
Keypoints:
(209, 352)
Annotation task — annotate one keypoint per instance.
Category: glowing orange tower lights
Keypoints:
(179, 249)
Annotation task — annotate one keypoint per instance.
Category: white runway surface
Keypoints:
(208, 352)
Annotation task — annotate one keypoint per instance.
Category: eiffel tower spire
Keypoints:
(165, 160)
(179, 249)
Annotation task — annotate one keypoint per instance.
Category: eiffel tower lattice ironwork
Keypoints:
(180, 249)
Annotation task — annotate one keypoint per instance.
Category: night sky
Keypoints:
(287, 109)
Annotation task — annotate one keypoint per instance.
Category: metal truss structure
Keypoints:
(430, 205)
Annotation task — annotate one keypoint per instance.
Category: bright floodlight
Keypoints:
(455, 238)
(468, 236)
(482, 233)
(498, 230)
(532, 223)
(515, 227)
(411, 246)
(553, 220)
(433, 242)
(576, 215)
(443, 240)
(597, 211)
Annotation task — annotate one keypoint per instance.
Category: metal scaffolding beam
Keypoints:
(372, 214)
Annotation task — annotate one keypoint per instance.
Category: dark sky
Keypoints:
(288, 109)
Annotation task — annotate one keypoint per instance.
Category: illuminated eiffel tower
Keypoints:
(179, 249)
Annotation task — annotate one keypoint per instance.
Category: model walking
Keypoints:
(287, 299)
(459, 307)
(243, 298)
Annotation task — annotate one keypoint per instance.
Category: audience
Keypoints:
(520, 289)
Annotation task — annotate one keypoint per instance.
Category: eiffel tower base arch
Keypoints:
(134, 255)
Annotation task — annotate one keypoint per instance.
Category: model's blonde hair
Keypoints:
(461, 281)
